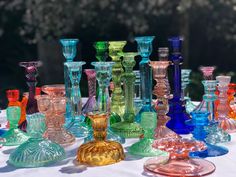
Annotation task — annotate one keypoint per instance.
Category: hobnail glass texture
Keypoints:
(100, 151)
(179, 163)
(69, 50)
(14, 136)
(53, 105)
(128, 128)
(199, 121)
(36, 151)
(177, 111)
(145, 50)
(144, 146)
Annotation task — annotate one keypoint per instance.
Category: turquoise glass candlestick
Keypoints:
(69, 49)
(36, 151)
(128, 128)
(145, 50)
(77, 126)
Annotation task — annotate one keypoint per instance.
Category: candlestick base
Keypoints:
(145, 108)
(228, 125)
(79, 129)
(127, 129)
(14, 137)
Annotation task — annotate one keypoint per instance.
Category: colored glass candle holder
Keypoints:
(100, 151)
(179, 162)
(128, 128)
(53, 106)
(231, 92)
(223, 109)
(69, 50)
(177, 111)
(103, 73)
(162, 93)
(199, 121)
(137, 92)
(144, 146)
(36, 151)
(14, 136)
(117, 97)
(145, 50)
(101, 50)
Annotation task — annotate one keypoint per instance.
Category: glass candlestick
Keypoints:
(199, 121)
(214, 133)
(117, 97)
(53, 105)
(231, 92)
(144, 146)
(101, 50)
(223, 109)
(100, 151)
(14, 136)
(103, 73)
(36, 151)
(128, 128)
(77, 126)
(145, 50)
(162, 93)
(137, 92)
(69, 50)
(179, 162)
(177, 111)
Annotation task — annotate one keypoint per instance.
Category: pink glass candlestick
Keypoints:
(162, 92)
(91, 102)
(207, 72)
(179, 163)
(223, 109)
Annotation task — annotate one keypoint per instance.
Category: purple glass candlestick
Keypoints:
(31, 73)
(177, 111)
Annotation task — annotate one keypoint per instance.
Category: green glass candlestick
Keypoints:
(117, 98)
(128, 128)
(101, 50)
(14, 136)
(144, 146)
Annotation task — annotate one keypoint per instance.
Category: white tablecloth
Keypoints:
(130, 167)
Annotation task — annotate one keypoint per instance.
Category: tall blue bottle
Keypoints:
(145, 50)
(69, 49)
(177, 111)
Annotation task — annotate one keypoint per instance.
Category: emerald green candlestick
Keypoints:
(128, 128)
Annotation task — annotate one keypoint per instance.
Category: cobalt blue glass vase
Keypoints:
(177, 111)
(69, 49)
(145, 50)
(199, 121)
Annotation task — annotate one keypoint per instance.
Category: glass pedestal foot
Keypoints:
(14, 137)
(145, 108)
(36, 152)
(127, 129)
(164, 132)
(2, 132)
(228, 125)
(211, 151)
(79, 129)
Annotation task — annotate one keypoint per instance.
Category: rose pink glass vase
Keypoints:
(162, 93)
(179, 162)
(53, 105)
(223, 109)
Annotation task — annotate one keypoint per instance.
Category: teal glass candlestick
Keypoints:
(103, 75)
(138, 103)
(145, 50)
(36, 151)
(77, 126)
(14, 136)
(117, 98)
(128, 128)
(69, 49)
(144, 146)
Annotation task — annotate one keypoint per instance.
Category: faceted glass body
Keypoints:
(100, 151)
(231, 92)
(101, 50)
(145, 50)
(53, 106)
(36, 151)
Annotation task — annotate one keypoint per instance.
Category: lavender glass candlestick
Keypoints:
(177, 111)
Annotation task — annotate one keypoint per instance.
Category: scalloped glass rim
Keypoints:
(26, 64)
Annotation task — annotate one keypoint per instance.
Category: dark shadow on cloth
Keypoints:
(76, 168)
(8, 168)
(130, 157)
(8, 151)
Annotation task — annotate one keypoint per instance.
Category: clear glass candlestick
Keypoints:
(223, 109)
(177, 111)
(69, 50)
(36, 151)
(145, 50)
(77, 126)
(128, 128)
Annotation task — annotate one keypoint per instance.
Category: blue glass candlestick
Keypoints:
(77, 126)
(69, 49)
(177, 111)
(199, 121)
(145, 50)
